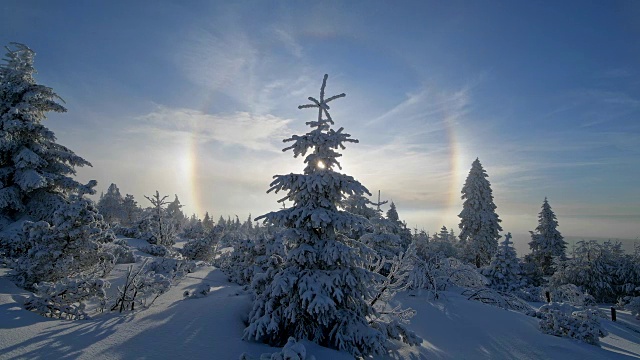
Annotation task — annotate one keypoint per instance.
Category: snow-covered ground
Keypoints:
(211, 328)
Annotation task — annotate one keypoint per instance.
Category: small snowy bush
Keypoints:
(251, 257)
(504, 271)
(66, 298)
(531, 294)
(70, 246)
(571, 294)
(13, 241)
(201, 291)
(130, 232)
(564, 320)
(202, 248)
(155, 250)
(171, 267)
(633, 305)
(292, 350)
(122, 253)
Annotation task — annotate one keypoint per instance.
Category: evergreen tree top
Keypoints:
(322, 139)
(17, 85)
(547, 221)
(318, 192)
(507, 240)
(36, 171)
(392, 213)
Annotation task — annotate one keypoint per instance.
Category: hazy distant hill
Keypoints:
(521, 243)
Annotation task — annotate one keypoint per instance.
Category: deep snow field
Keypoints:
(211, 328)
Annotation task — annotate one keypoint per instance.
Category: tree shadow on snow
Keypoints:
(62, 339)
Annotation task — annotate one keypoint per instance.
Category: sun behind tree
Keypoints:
(321, 290)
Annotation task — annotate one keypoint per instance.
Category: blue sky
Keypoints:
(193, 98)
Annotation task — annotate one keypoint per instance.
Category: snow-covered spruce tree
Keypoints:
(193, 229)
(504, 272)
(35, 171)
(439, 245)
(599, 269)
(203, 247)
(546, 241)
(110, 205)
(130, 210)
(72, 245)
(382, 235)
(321, 291)
(479, 223)
(207, 222)
(397, 227)
(174, 212)
(361, 205)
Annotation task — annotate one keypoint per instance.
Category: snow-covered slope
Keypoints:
(173, 328)
(456, 328)
(211, 328)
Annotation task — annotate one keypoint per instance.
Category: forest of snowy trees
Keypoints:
(325, 269)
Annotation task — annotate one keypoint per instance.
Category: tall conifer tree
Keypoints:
(546, 241)
(479, 223)
(505, 272)
(35, 171)
(321, 290)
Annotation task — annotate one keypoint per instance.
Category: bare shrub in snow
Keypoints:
(439, 274)
(66, 298)
(388, 318)
(500, 299)
(453, 272)
(565, 320)
(159, 227)
(141, 288)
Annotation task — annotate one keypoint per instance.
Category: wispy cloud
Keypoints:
(427, 107)
(215, 61)
(615, 73)
(254, 132)
(246, 68)
(289, 41)
(595, 106)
